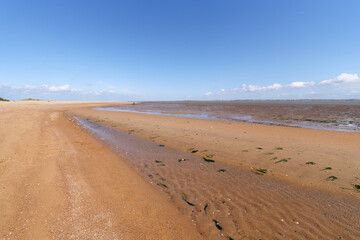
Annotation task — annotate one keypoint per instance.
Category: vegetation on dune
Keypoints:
(4, 100)
(32, 99)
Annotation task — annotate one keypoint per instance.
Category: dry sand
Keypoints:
(56, 182)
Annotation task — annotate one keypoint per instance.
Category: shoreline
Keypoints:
(238, 144)
(294, 114)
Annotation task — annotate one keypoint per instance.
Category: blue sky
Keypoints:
(179, 50)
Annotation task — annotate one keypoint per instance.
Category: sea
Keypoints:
(334, 115)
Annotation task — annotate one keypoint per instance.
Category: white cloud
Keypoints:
(252, 88)
(60, 88)
(300, 84)
(342, 78)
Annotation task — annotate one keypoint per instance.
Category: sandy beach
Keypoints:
(59, 182)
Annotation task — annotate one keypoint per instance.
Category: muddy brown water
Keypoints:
(336, 115)
(226, 202)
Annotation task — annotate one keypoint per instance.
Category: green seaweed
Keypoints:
(194, 151)
(269, 153)
(208, 160)
(310, 163)
(162, 185)
(278, 148)
(221, 170)
(217, 225)
(331, 178)
(245, 150)
(131, 131)
(327, 168)
(274, 158)
(283, 160)
(205, 207)
(260, 148)
(157, 161)
(184, 197)
(262, 170)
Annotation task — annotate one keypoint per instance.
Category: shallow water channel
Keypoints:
(226, 202)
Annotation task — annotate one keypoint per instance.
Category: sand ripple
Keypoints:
(234, 203)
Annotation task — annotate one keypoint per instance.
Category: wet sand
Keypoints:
(227, 202)
(308, 157)
(121, 194)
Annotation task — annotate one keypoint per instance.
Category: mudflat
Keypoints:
(224, 180)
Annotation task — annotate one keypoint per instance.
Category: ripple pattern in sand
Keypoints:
(234, 203)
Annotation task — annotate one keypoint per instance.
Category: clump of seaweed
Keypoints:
(262, 170)
(310, 163)
(331, 178)
(269, 153)
(278, 148)
(205, 207)
(260, 148)
(194, 151)
(184, 197)
(274, 158)
(208, 159)
(131, 131)
(162, 185)
(283, 160)
(217, 225)
(327, 168)
(157, 161)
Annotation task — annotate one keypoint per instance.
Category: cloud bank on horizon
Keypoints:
(64, 92)
(111, 93)
(344, 78)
